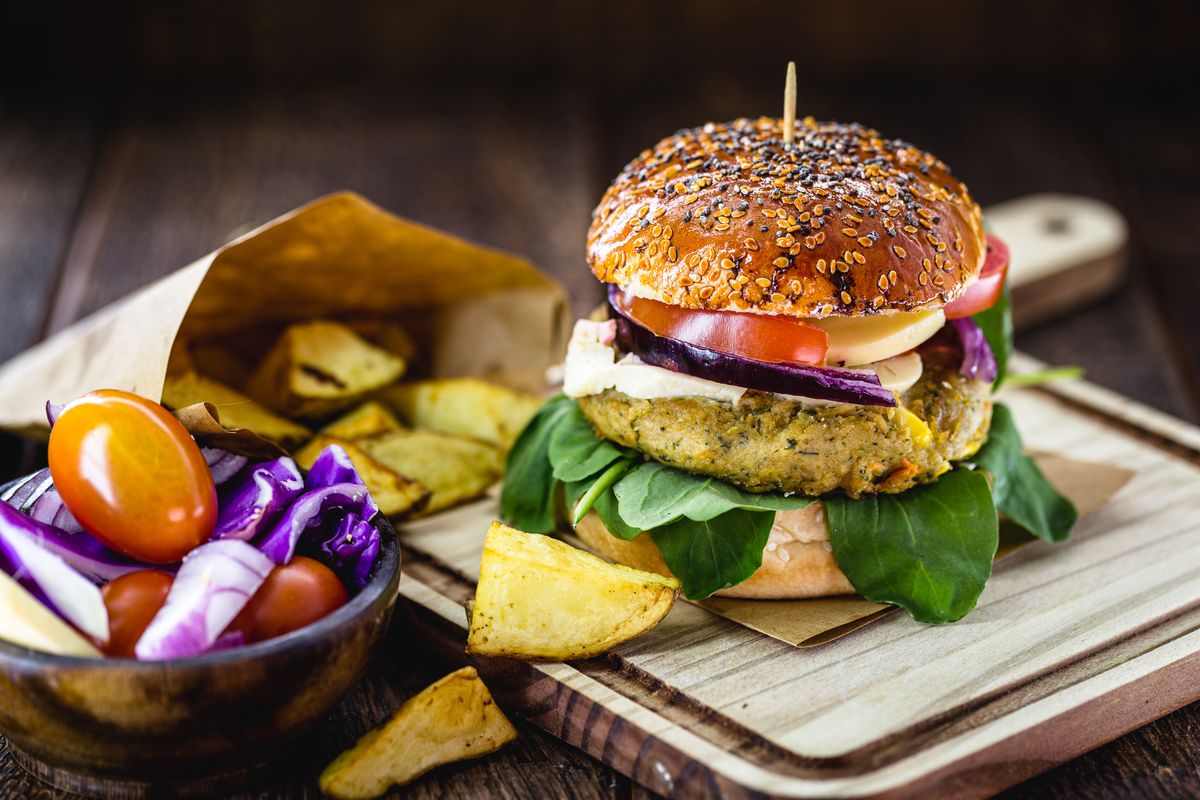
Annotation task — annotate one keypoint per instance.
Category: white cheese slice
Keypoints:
(26, 622)
(854, 341)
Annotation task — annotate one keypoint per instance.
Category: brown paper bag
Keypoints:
(473, 310)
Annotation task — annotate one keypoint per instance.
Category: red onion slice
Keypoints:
(819, 383)
(213, 585)
(979, 362)
(48, 577)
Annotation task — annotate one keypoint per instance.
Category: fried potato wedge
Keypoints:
(540, 598)
(455, 468)
(396, 495)
(236, 409)
(453, 720)
(318, 368)
(369, 419)
(467, 406)
(388, 335)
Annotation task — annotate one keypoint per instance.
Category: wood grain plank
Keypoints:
(45, 158)
(183, 182)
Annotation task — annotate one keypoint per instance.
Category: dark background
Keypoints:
(136, 137)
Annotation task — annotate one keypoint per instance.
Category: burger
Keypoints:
(788, 393)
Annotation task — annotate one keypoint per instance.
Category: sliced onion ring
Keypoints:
(819, 383)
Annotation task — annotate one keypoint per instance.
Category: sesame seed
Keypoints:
(780, 262)
(899, 251)
(846, 299)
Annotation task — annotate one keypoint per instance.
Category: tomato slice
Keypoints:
(984, 292)
(760, 337)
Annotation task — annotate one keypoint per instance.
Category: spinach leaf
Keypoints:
(606, 507)
(528, 497)
(713, 554)
(1021, 491)
(652, 495)
(576, 452)
(996, 323)
(928, 550)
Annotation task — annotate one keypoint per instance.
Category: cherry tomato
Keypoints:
(132, 476)
(132, 601)
(292, 596)
(760, 337)
(984, 292)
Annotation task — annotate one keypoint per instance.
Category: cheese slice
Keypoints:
(26, 622)
(854, 341)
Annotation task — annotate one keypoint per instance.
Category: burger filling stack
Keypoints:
(788, 393)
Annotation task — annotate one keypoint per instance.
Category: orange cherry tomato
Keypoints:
(984, 292)
(132, 476)
(761, 337)
(292, 596)
(132, 601)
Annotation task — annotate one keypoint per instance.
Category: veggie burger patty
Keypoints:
(768, 443)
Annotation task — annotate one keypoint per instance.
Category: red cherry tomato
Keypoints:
(132, 476)
(132, 601)
(761, 337)
(984, 292)
(292, 596)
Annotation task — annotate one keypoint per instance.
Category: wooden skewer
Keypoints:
(789, 104)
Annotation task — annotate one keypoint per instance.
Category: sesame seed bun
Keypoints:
(841, 222)
(790, 570)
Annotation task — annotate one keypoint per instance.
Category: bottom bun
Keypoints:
(797, 562)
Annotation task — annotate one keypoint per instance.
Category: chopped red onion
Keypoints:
(48, 577)
(979, 362)
(315, 510)
(250, 504)
(222, 464)
(213, 585)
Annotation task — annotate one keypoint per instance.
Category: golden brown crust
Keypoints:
(840, 222)
(790, 570)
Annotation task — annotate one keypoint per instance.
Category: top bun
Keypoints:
(840, 222)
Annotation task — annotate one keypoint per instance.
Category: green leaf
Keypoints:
(928, 550)
(576, 452)
(997, 326)
(603, 483)
(528, 497)
(1021, 491)
(606, 507)
(652, 495)
(1043, 376)
(713, 554)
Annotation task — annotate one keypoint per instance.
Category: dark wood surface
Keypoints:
(99, 196)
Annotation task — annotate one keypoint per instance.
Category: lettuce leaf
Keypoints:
(716, 553)
(653, 494)
(528, 497)
(997, 326)
(928, 550)
(1021, 491)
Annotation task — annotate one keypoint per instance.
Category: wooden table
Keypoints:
(98, 197)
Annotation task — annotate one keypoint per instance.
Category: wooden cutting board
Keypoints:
(1071, 646)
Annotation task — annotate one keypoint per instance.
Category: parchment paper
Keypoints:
(474, 311)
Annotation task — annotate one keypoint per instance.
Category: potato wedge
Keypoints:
(396, 495)
(455, 468)
(540, 598)
(369, 419)
(453, 720)
(388, 335)
(467, 406)
(236, 409)
(318, 368)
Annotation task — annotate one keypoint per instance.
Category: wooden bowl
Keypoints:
(92, 724)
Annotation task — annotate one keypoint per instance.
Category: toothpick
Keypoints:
(789, 103)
